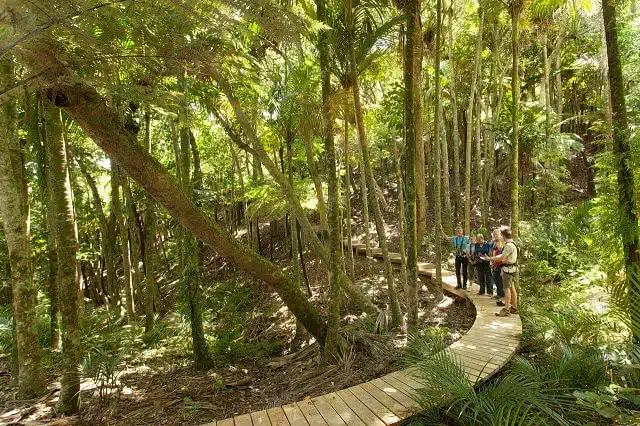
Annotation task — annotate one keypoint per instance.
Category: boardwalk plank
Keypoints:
(386, 414)
(294, 415)
(395, 393)
(365, 414)
(243, 420)
(225, 422)
(343, 410)
(277, 417)
(328, 413)
(403, 387)
(260, 418)
(311, 413)
(392, 404)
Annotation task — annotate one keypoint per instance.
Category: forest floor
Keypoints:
(258, 362)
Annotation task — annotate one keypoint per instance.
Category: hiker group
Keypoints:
(492, 263)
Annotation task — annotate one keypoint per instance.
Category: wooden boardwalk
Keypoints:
(387, 400)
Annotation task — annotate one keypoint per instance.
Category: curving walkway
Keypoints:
(387, 400)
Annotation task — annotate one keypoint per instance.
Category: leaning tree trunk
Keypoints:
(437, 143)
(622, 153)
(333, 319)
(64, 231)
(479, 172)
(412, 102)
(116, 181)
(474, 83)
(14, 207)
(396, 314)
(103, 124)
(454, 119)
(515, 10)
(446, 185)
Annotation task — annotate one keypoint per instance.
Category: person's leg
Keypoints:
(498, 281)
(480, 275)
(487, 279)
(506, 281)
(458, 266)
(464, 272)
(514, 298)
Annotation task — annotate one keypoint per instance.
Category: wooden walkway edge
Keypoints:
(387, 400)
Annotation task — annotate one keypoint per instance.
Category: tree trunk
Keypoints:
(347, 195)
(455, 130)
(547, 89)
(86, 106)
(622, 153)
(515, 10)
(437, 143)
(293, 233)
(135, 237)
(364, 199)
(479, 172)
(14, 207)
(195, 259)
(402, 220)
(446, 186)
(335, 267)
(64, 231)
(148, 240)
(396, 314)
(413, 138)
(421, 181)
(51, 286)
(116, 181)
(474, 83)
(322, 208)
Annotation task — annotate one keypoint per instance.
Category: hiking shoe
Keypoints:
(503, 313)
(513, 310)
(500, 303)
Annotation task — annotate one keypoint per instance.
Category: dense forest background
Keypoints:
(181, 184)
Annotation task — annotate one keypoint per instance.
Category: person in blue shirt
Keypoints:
(461, 244)
(483, 266)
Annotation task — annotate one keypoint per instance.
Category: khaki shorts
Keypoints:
(508, 279)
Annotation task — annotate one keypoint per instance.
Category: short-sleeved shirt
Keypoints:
(510, 257)
(461, 243)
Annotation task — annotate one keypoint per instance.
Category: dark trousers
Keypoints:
(497, 280)
(461, 267)
(483, 269)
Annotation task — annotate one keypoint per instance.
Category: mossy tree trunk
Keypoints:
(515, 10)
(347, 195)
(622, 152)
(469, 136)
(413, 138)
(454, 121)
(335, 267)
(148, 241)
(14, 208)
(437, 143)
(64, 231)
